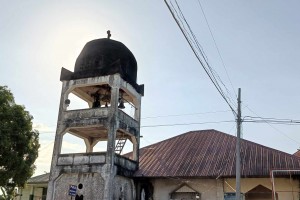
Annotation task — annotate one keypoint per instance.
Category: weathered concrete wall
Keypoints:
(93, 185)
(96, 172)
(123, 188)
(286, 188)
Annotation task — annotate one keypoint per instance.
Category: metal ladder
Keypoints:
(120, 145)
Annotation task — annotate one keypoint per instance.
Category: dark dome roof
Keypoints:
(103, 57)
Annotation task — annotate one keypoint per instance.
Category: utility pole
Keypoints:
(238, 149)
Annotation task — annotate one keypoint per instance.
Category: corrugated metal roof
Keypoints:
(44, 178)
(297, 153)
(210, 153)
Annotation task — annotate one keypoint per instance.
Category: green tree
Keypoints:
(19, 144)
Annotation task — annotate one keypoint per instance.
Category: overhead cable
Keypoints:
(212, 35)
(185, 124)
(194, 42)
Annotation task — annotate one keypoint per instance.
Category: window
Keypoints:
(231, 196)
(185, 192)
(185, 196)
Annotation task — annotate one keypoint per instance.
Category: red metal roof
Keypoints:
(210, 153)
(297, 153)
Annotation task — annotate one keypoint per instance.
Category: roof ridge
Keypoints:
(38, 176)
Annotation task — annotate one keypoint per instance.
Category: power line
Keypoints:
(279, 131)
(213, 72)
(274, 122)
(273, 119)
(185, 124)
(187, 114)
(212, 35)
(205, 65)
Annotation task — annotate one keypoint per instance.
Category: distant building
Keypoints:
(201, 165)
(35, 189)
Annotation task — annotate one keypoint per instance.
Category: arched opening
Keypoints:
(72, 144)
(101, 146)
(93, 96)
(128, 104)
(259, 193)
(76, 103)
(185, 192)
(124, 143)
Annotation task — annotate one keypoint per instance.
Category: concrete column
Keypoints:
(137, 113)
(220, 192)
(112, 129)
(60, 129)
(135, 153)
(90, 143)
(136, 146)
(112, 126)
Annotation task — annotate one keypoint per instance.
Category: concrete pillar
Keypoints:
(112, 129)
(220, 192)
(61, 128)
(135, 151)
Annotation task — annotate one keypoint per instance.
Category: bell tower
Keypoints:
(104, 77)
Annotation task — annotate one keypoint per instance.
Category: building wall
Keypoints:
(123, 188)
(285, 188)
(208, 188)
(93, 186)
(35, 190)
(214, 189)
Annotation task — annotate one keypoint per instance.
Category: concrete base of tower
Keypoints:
(92, 186)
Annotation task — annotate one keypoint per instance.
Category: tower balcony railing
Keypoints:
(96, 158)
(125, 162)
(94, 116)
(81, 159)
(82, 114)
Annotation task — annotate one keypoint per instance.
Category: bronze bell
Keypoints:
(121, 104)
(96, 103)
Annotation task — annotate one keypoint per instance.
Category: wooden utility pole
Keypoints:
(238, 149)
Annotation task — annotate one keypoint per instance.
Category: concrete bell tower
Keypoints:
(105, 78)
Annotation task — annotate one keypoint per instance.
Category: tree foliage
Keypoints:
(19, 144)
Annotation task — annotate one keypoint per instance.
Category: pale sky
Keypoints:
(258, 40)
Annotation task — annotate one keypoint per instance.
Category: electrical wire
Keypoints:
(215, 75)
(273, 122)
(185, 124)
(279, 131)
(218, 50)
(196, 48)
(187, 114)
(272, 119)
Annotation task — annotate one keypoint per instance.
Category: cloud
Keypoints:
(42, 127)
(43, 162)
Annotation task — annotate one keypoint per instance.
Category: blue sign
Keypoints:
(72, 190)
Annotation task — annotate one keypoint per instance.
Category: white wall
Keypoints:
(285, 187)
(208, 188)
